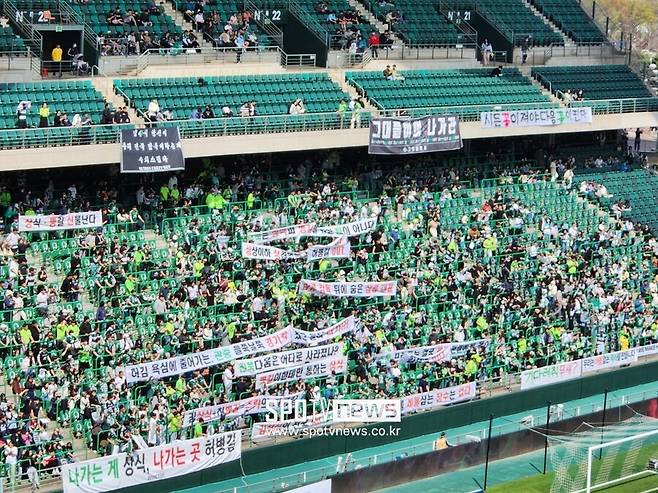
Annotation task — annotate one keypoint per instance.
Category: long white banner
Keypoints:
(338, 329)
(197, 361)
(355, 228)
(339, 248)
(536, 117)
(251, 405)
(348, 289)
(286, 359)
(153, 464)
(609, 360)
(438, 397)
(54, 222)
(547, 375)
(436, 353)
(336, 365)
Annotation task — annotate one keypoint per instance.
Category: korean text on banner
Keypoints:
(338, 329)
(53, 222)
(251, 405)
(151, 150)
(438, 397)
(414, 135)
(315, 369)
(142, 466)
(286, 359)
(204, 359)
(536, 117)
(347, 289)
(547, 375)
(609, 360)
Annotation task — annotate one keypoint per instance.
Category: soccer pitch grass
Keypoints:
(541, 483)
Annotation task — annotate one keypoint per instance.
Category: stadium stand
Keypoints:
(597, 82)
(437, 88)
(423, 24)
(498, 259)
(632, 193)
(10, 41)
(110, 20)
(69, 96)
(273, 94)
(570, 17)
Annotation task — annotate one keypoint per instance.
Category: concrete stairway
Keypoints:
(370, 17)
(105, 86)
(567, 40)
(179, 18)
(338, 76)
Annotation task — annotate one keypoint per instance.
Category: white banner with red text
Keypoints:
(307, 338)
(197, 361)
(347, 289)
(609, 360)
(547, 375)
(438, 397)
(54, 222)
(118, 471)
(316, 369)
(286, 359)
(251, 405)
(355, 228)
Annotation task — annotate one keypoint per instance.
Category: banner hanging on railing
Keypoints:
(347, 289)
(438, 397)
(54, 222)
(151, 150)
(609, 360)
(414, 135)
(536, 117)
(547, 375)
(143, 466)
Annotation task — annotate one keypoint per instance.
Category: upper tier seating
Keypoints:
(600, 82)
(10, 41)
(272, 93)
(427, 88)
(71, 96)
(423, 24)
(572, 19)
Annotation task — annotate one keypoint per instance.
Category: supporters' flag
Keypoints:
(151, 150)
(414, 135)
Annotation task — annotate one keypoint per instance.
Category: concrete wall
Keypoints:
(14, 159)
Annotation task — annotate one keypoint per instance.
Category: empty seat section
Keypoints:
(569, 16)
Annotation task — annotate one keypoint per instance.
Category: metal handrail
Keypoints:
(217, 127)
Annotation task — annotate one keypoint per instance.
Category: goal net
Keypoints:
(597, 457)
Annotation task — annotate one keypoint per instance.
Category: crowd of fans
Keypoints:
(516, 260)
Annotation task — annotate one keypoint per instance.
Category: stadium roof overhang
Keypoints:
(37, 158)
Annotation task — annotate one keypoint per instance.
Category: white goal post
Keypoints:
(629, 447)
(598, 457)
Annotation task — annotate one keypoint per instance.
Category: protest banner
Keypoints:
(54, 222)
(339, 248)
(436, 353)
(339, 328)
(536, 117)
(547, 375)
(118, 471)
(609, 360)
(355, 228)
(286, 359)
(438, 397)
(336, 365)
(204, 359)
(347, 289)
(251, 405)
